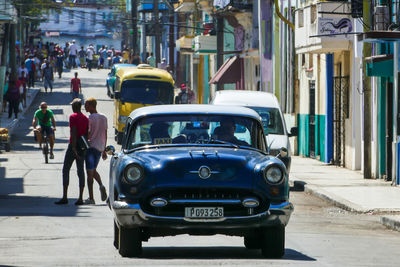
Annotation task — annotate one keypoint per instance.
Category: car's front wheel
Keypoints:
(273, 242)
(116, 235)
(252, 242)
(130, 242)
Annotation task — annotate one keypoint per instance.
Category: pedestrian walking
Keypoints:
(22, 79)
(76, 87)
(78, 124)
(60, 63)
(13, 95)
(151, 60)
(97, 137)
(47, 75)
(21, 69)
(66, 55)
(73, 52)
(30, 65)
(82, 56)
(89, 57)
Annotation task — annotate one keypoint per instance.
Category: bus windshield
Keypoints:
(147, 92)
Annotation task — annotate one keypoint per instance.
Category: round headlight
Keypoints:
(133, 173)
(273, 175)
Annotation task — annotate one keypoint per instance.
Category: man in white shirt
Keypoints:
(73, 52)
(23, 69)
(89, 57)
(97, 137)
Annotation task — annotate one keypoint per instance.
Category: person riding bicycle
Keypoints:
(42, 121)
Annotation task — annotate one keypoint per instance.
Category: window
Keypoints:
(93, 18)
(57, 18)
(201, 130)
(313, 15)
(82, 15)
(300, 18)
(71, 17)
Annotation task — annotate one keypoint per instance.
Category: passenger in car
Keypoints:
(226, 132)
(159, 133)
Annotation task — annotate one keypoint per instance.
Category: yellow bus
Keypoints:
(137, 87)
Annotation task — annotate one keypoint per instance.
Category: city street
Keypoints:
(35, 232)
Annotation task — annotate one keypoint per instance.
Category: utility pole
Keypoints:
(367, 49)
(172, 39)
(156, 15)
(134, 26)
(220, 46)
(13, 55)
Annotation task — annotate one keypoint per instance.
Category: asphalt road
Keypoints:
(35, 232)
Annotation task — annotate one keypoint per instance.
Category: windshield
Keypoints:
(195, 129)
(147, 92)
(271, 119)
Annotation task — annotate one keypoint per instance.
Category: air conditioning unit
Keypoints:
(381, 18)
(205, 44)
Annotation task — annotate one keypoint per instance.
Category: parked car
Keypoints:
(267, 106)
(198, 170)
(112, 75)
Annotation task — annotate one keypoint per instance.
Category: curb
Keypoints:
(392, 222)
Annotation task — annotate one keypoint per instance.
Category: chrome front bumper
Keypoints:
(131, 215)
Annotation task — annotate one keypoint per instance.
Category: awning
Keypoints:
(379, 36)
(228, 73)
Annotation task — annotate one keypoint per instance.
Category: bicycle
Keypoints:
(45, 146)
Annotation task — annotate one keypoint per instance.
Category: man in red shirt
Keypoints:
(79, 125)
(76, 87)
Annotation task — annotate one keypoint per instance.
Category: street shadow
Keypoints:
(214, 252)
(11, 205)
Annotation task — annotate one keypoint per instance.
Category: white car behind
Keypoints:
(267, 106)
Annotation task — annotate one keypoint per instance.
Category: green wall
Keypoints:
(304, 133)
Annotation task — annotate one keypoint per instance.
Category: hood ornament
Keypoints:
(204, 172)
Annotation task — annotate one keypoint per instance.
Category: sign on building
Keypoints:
(335, 27)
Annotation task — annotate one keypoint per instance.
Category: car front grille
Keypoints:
(230, 200)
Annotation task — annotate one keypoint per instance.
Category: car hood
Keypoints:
(178, 166)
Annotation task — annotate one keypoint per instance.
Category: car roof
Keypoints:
(194, 109)
(122, 65)
(145, 72)
(245, 98)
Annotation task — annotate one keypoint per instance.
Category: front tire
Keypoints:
(273, 242)
(130, 242)
(116, 235)
(252, 242)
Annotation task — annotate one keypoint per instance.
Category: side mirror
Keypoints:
(117, 95)
(283, 152)
(294, 131)
(110, 150)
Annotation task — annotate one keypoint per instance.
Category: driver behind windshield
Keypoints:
(226, 132)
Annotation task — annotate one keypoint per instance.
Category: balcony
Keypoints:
(322, 28)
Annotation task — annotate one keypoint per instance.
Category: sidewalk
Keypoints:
(11, 124)
(347, 189)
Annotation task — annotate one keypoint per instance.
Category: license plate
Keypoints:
(204, 212)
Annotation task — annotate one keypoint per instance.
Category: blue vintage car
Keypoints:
(199, 170)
